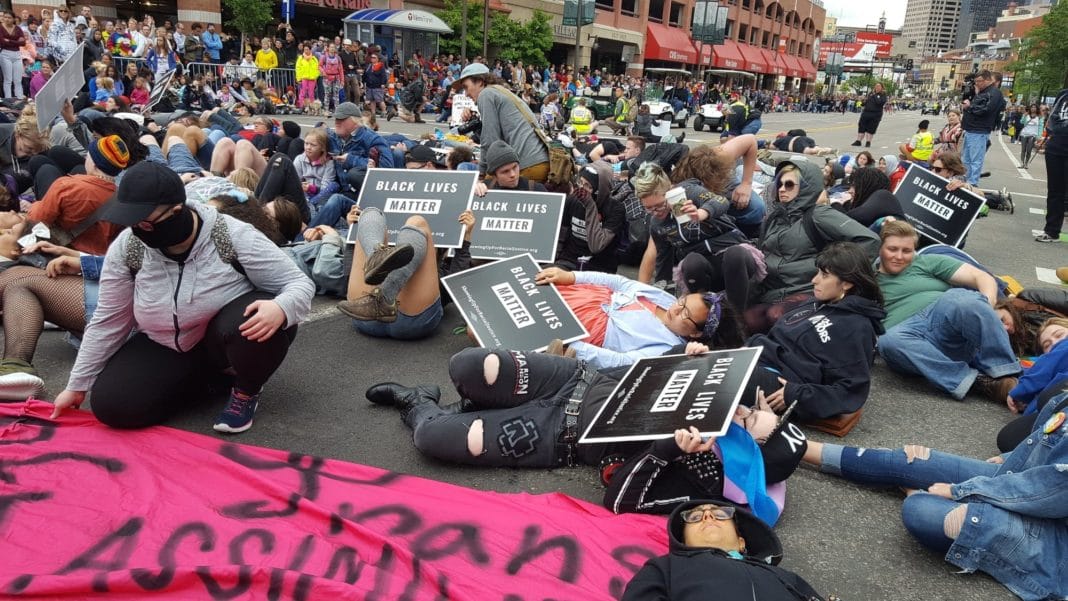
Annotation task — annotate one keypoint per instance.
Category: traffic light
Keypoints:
(908, 64)
(952, 72)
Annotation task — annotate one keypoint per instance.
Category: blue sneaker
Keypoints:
(237, 417)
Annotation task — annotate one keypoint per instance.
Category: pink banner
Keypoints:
(87, 512)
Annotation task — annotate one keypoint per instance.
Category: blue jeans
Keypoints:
(752, 127)
(180, 160)
(973, 153)
(335, 207)
(950, 342)
(923, 514)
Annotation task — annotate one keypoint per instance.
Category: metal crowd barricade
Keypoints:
(121, 63)
(192, 70)
(281, 79)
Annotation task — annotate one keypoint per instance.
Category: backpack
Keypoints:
(134, 253)
(561, 163)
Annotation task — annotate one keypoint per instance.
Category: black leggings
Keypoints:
(280, 179)
(53, 164)
(729, 271)
(144, 382)
(522, 412)
(1020, 428)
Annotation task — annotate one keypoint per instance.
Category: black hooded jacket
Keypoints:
(703, 573)
(824, 352)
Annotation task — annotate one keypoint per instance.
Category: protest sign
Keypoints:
(662, 394)
(460, 102)
(510, 223)
(158, 91)
(177, 515)
(935, 212)
(504, 308)
(437, 196)
(61, 87)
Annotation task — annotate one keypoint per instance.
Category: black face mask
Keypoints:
(173, 230)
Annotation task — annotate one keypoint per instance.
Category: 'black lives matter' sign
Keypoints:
(510, 223)
(437, 196)
(504, 308)
(935, 212)
(662, 394)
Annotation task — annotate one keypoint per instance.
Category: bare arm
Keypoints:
(968, 276)
(648, 264)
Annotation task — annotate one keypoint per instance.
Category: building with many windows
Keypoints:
(932, 25)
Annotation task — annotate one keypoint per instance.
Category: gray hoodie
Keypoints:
(165, 293)
(789, 252)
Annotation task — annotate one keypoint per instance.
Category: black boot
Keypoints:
(403, 398)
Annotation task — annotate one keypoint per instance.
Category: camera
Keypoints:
(474, 125)
(967, 89)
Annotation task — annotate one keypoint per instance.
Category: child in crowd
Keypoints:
(40, 78)
(318, 176)
(307, 74)
(139, 94)
(105, 88)
(921, 146)
(1051, 367)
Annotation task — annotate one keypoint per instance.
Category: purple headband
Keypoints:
(715, 313)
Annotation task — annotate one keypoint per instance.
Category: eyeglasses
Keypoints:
(939, 169)
(692, 516)
(787, 185)
(686, 314)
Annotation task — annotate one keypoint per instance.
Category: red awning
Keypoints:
(728, 56)
(793, 65)
(754, 59)
(774, 61)
(808, 70)
(706, 54)
(664, 43)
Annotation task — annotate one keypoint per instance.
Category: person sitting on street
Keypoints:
(581, 121)
(503, 167)
(592, 223)
(355, 148)
(940, 320)
(921, 146)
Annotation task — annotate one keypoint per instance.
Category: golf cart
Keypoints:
(653, 95)
(712, 115)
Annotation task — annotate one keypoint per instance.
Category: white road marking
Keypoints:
(1030, 196)
(1035, 211)
(1015, 163)
(1048, 276)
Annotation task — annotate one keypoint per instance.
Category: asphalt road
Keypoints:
(842, 538)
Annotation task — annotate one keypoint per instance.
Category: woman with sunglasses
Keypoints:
(719, 551)
(796, 230)
(629, 320)
(950, 166)
(948, 139)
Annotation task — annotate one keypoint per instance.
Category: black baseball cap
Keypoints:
(422, 153)
(143, 187)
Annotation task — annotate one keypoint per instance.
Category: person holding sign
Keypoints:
(628, 320)
(941, 322)
(719, 551)
(394, 291)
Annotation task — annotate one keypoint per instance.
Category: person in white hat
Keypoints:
(505, 117)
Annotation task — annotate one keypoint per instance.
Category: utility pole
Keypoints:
(485, 31)
(578, 38)
(463, 35)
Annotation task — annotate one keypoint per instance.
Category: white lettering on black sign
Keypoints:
(420, 206)
(932, 205)
(498, 224)
(671, 396)
(512, 305)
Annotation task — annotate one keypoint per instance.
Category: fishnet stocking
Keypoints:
(16, 273)
(30, 301)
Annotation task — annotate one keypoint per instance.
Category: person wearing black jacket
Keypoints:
(1056, 144)
(720, 551)
(350, 62)
(870, 116)
(872, 199)
(592, 222)
(820, 354)
(980, 118)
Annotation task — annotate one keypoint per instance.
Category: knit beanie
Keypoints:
(589, 174)
(110, 154)
(498, 155)
(291, 129)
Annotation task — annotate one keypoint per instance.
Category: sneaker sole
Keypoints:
(227, 429)
(21, 386)
(398, 257)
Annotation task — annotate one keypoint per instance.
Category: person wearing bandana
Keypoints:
(209, 297)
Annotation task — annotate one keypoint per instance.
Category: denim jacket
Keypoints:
(631, 334)
(1016, 528)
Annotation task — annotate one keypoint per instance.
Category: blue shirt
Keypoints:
(632, 332)
(1049, 368)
